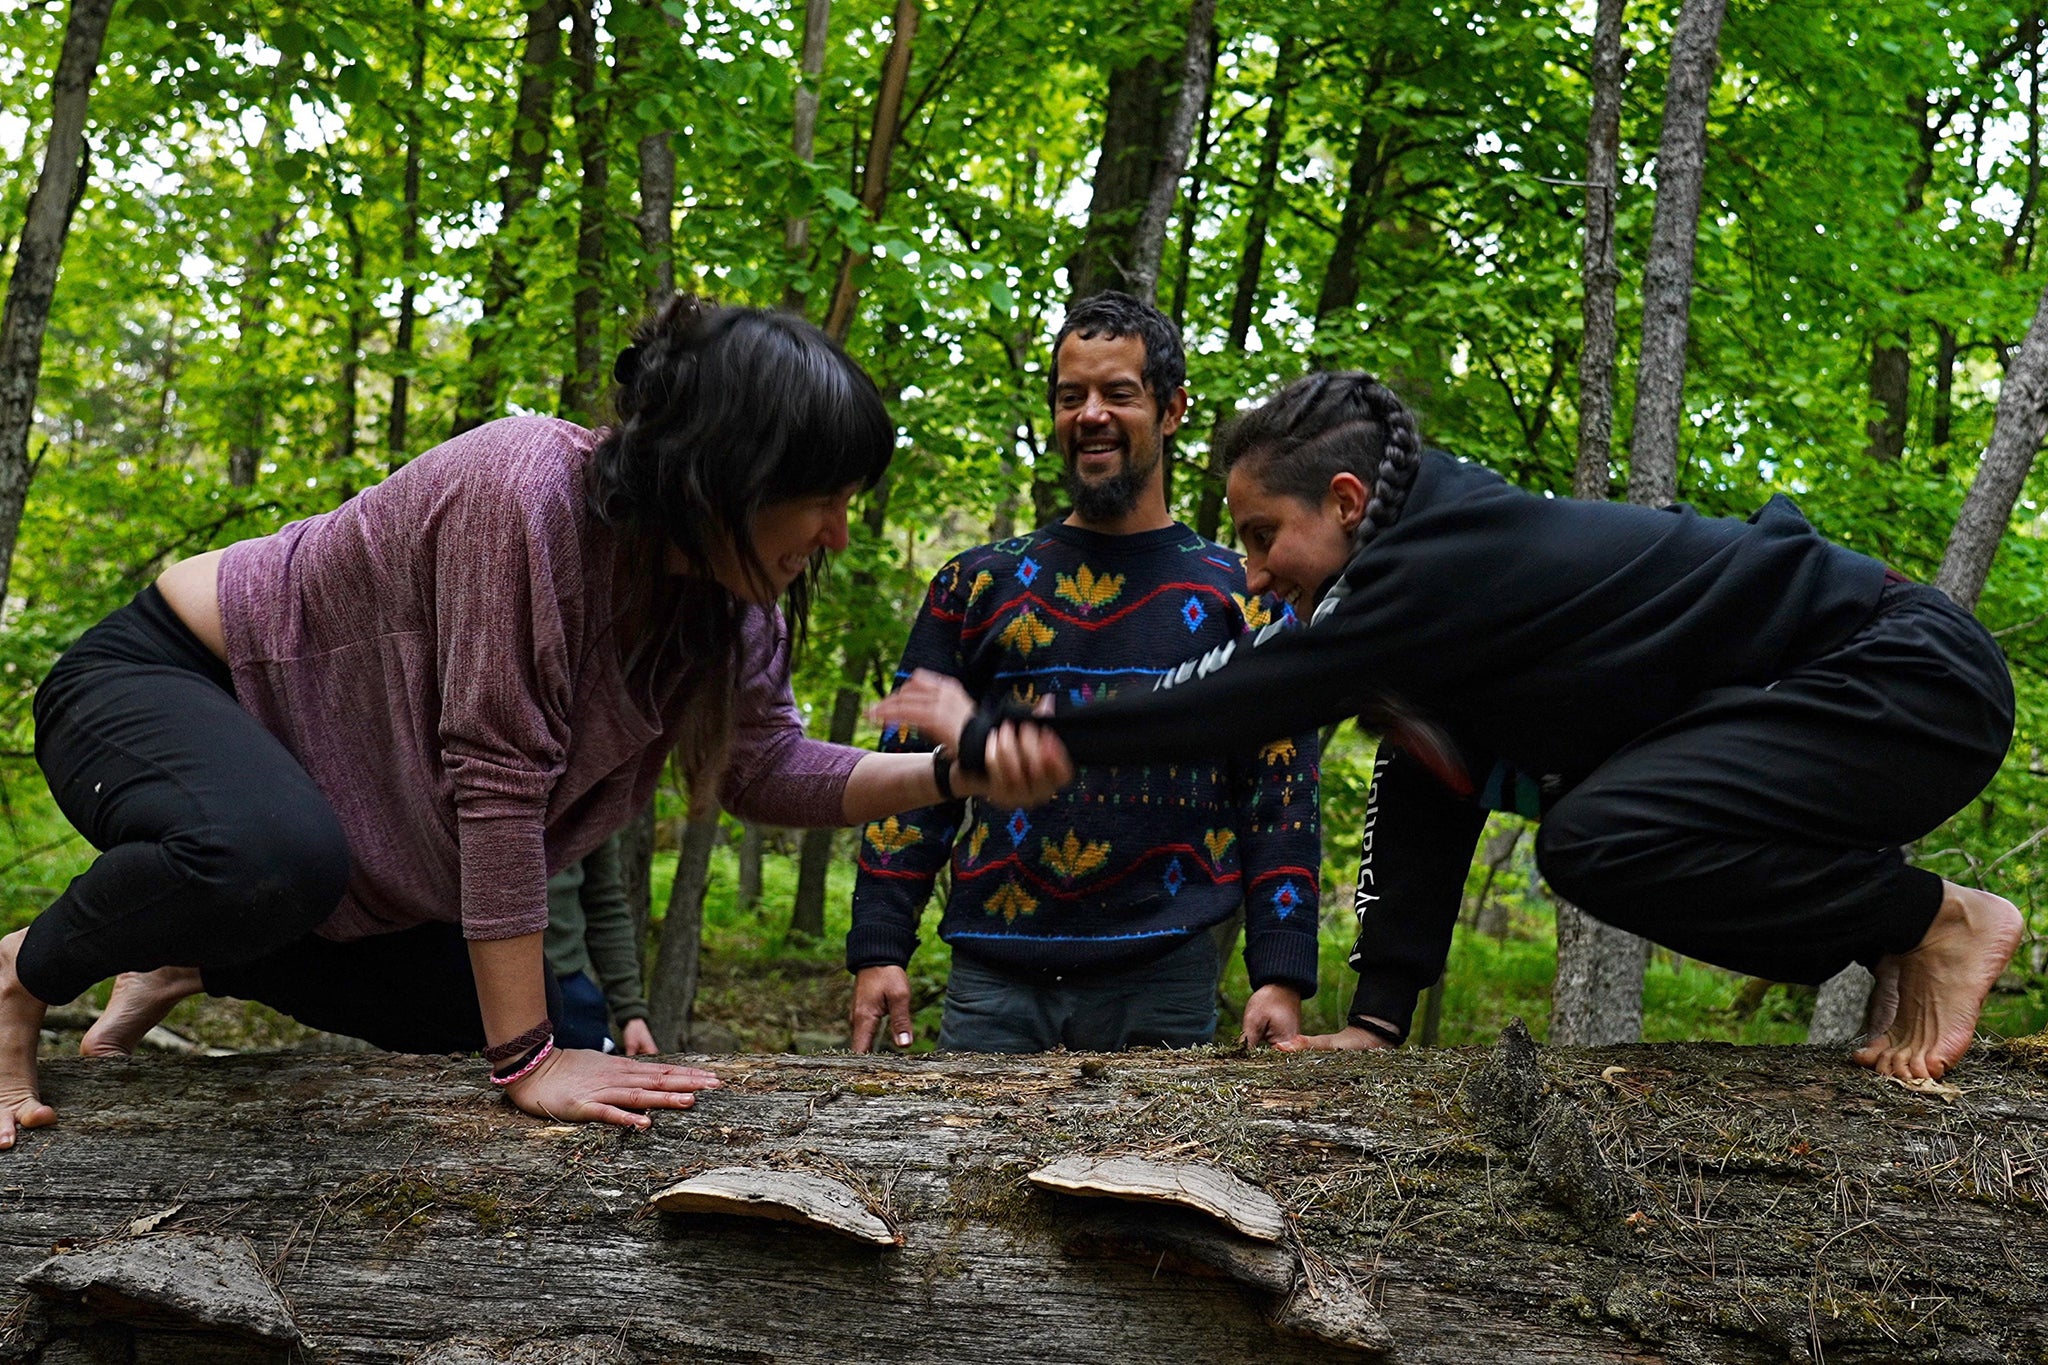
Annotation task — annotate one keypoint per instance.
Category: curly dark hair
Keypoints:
(1113, 313)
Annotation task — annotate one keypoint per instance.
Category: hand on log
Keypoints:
(880, 994)
(1350, 1038)
(1273, 1017)
(578, 1085)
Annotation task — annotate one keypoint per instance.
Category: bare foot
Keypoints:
(21, 1023)
(1942, 984)
(1884, 1001)
(139, 1003)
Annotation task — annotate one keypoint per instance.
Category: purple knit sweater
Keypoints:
(437, 652)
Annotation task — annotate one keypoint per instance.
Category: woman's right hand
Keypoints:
(576, 1085)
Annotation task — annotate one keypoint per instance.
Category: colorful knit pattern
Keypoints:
(1130, 860)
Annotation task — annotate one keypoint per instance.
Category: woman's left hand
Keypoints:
(934, 705)
(576, 1085)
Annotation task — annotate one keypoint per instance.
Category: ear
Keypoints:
(1176, 409)
(1348, 498)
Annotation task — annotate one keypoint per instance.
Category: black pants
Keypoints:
(216, 851)
(1760, 829)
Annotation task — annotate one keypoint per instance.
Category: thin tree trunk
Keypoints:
(1667, 275)
(525, 163)
(1251, 263)
(352, 362)
(408, 244)
(796, 235)
(1597, 1000)
(37, 257)
(1191, 207)
(1597, 271)
(1490, 912)
(1197, 59)
(1890, 384)
(814, 859)
(1362, 187)
(1133, 133)
(2016, 433)
(882, 141)
(593, 149)
(636, 859)
(747, 884)
(1942, 428)
(250, 399)
(672, 994)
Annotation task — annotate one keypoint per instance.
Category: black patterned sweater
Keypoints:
(1132, 859)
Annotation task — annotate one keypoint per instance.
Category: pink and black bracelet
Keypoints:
(520, 1046)
(531, 1065)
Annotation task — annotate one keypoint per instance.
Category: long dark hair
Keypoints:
(723, 412)
(1347, 422)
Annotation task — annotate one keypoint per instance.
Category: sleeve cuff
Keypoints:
(879, 945)
(1386, 1000)
(1284, 959)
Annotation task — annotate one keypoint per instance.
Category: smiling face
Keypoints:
(1111, 430)
(787, 536)
(1293, 547)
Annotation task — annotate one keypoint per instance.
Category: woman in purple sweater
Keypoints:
(331, 769)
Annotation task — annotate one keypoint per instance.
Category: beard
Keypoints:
(1111, 498)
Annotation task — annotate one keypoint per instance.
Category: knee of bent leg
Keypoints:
(1571, 848)
(284, 869)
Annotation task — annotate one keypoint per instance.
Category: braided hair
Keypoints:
(1347, 422)
(723, 412)
(1328, 423)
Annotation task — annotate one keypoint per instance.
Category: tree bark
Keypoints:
(249, 400)
(636, 861)
(1597, 1000)
(672, 994)
(803, 133)
(347, 399)
(1136, 125)
(882, 140)
(1721, 1204)
(582, 383)
(747, 884)
(1361, 193)
(1890, 385)
(1197, 60)
(1597, 270)
(37, 257)
(525, 162)
(2016, 433)
(408, 245)
(1667, 274)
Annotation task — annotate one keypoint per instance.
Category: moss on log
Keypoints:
(1672, 1203)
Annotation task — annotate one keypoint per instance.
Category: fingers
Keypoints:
(605, 1113)
(899, 1017)
(864, 1019)
(1298, 1043)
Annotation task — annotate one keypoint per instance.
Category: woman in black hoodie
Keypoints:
(1727, 728)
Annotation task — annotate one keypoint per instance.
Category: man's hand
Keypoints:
(1272, 1017)
(1350, 1038)
(881, 995)
(637, 1039)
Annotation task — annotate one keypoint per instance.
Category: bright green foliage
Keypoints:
(1873, 181)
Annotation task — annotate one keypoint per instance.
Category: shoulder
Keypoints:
(1010, 564)
(526, 470)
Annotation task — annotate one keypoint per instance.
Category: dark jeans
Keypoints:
(1167, 1003)
(216, 851)
(585, 1020)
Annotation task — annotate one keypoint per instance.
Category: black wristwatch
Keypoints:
(942, 773)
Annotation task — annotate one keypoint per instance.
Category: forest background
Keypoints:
(309, 242)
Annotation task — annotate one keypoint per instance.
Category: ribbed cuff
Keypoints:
(1285, 959)
(1388, 1000)
(879, 945)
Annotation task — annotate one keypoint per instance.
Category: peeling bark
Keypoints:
(1679, 1203)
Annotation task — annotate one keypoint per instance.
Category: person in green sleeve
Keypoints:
(595, 956)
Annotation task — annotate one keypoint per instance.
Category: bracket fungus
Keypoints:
(786, 1196)
(1210, 1189)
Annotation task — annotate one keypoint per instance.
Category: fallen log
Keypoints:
(1673, 1203)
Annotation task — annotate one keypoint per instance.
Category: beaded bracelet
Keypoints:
(523, 1044)
(547, 1050)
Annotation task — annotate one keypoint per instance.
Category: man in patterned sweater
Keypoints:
(1090, 923)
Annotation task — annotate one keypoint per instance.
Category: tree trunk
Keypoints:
(586, 375)
(1137, 126)
(1490, 912)
(1361, 194)
(1597, 270)
(525, 163)
(672, 994)
(882, 140)
(1197, 60)
(408, 244)
(636, 862)
(796, 235)
(814, 860)
(1251, 264)
(346, 400)
(1191, 208)
(1674, 1203)
(249, 401)
(1891, 385)
(747, 885)
(2016, 434)
(37, 257)
(1667, 275)
(1598, 995)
